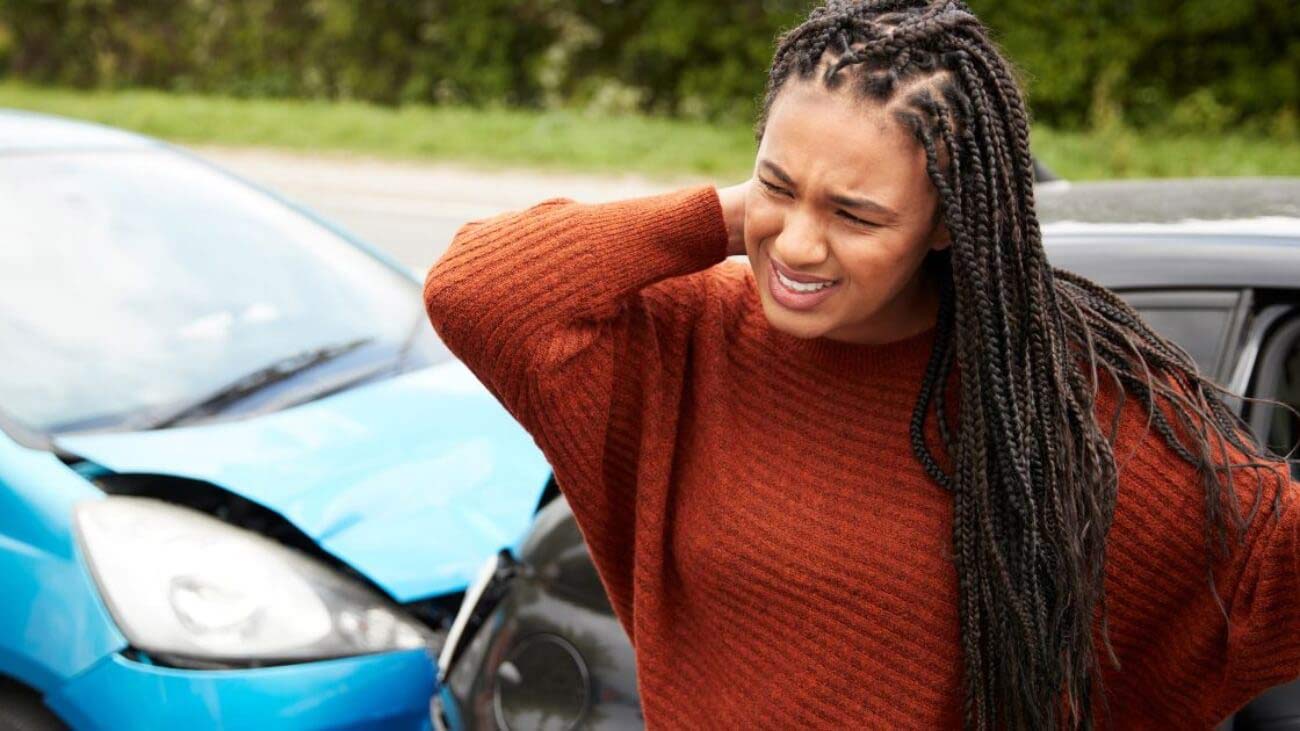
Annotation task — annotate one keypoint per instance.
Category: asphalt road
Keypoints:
(412, 210)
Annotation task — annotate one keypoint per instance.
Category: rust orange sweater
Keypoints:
(772, 547)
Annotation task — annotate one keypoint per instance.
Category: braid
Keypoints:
(1032, 473)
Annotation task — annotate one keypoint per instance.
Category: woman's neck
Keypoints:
(914, 311)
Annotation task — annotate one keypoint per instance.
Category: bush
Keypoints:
(1181, 64)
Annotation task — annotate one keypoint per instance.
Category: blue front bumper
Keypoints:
(388, 691)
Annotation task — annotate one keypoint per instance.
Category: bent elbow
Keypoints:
(445, 283)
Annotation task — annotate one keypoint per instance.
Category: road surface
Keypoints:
(411, 210)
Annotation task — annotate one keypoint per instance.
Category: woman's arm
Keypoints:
(523, 279)
(1190, 653)
(1263, 646)
(531, 285)
(577, 318)
(542, 304)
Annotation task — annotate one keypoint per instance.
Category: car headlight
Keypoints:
(181, 583)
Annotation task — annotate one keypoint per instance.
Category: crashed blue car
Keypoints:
(242, 483)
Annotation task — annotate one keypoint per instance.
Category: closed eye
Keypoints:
(773, 188)
(854, 219)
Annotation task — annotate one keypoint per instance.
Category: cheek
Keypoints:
(876, 263)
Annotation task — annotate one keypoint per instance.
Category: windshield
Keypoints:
(135, 281)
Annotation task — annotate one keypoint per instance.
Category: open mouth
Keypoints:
(802, 287)
(797, 295)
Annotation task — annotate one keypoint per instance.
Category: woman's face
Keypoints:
(840, 193)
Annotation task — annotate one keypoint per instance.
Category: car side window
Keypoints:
(1277, 377)
(1199, 321)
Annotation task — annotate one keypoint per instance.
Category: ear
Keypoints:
(940, 237)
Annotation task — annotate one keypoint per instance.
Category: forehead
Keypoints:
(841, 139)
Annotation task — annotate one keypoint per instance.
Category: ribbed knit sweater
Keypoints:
(753, 507)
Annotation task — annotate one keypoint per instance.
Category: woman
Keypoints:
(896, 471)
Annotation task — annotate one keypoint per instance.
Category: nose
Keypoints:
(801, 244)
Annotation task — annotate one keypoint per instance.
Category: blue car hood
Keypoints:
(413, 480)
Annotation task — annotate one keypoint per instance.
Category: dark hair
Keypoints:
(1033, 475)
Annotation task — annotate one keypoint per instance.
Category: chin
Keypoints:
(801, 325)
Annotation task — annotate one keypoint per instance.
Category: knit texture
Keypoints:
(752, 504)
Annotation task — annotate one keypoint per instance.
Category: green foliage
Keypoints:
(6, 47)
(571, 140)
(389, 51)
(686, 57)
(1173, 65)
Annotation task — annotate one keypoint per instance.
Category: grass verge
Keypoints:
(575, 141)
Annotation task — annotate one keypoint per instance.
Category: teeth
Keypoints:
(801, 286)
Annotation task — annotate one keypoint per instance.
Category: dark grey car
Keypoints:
(1212, 264)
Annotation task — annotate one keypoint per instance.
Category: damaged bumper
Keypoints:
(386, 691)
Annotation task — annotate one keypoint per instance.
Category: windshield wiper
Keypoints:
(245, 386)
(391, 368)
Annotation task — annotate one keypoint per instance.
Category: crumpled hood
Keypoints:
(413, 480)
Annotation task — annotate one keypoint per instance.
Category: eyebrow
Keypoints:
(839, 199)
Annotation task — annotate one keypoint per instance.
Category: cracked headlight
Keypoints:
(184, 584)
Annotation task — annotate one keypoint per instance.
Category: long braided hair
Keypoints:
(1033, 474)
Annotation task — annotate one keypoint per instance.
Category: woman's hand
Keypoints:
(733, 212)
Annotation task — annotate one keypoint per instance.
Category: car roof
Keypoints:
(1204, 232)
(23, 131)
(1170, 201)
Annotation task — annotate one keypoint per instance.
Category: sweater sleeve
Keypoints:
(576, 317)
(1263, 646)
(1191, 652)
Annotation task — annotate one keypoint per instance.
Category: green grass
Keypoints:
(572, 140)
(1123, 153)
